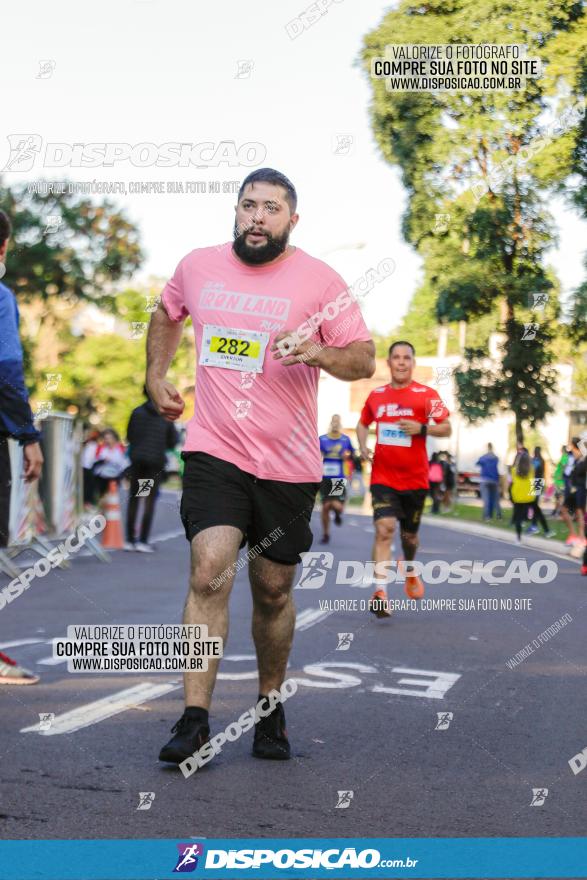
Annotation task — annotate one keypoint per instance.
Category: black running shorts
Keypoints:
(218, 493)
(406, 506)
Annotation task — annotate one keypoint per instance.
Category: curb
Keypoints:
(557, 548)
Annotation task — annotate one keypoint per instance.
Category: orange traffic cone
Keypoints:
(112, 534)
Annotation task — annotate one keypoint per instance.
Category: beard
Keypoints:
(257, 255)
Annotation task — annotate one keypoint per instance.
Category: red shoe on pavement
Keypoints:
(414, 587)
(584, 569)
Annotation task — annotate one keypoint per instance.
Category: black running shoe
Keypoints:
(325, 539)
(271, 737)
(338, 517)
(190, 735)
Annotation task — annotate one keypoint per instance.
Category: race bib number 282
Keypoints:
(233, 349)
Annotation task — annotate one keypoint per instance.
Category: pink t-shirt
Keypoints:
(265, 422)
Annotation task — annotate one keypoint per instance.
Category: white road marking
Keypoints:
(433, 690)
(430, 685)
(326, 675)
(51, 661)
(92, 713)
(166, 536)
(239, 676)
(311, 616)
(20, 642)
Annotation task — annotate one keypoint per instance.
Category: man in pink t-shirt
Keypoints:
(267, 317)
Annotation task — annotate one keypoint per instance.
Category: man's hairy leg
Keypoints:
(274, 618)
(214, 554)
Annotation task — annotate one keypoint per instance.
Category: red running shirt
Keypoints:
(401, 460)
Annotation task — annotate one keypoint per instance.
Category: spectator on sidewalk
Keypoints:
(149, 436)
(558, 480)
(522, 489)
(435, 478)
(89, 450)
(449, 480)
(111, 461)
(573, 508)
(534, 509)
(16, 421)
(489, 465)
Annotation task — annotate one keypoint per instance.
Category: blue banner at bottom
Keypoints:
(304, 858)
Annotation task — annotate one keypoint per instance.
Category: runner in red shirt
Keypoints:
(405, 412)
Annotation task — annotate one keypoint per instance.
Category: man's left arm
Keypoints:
(442, 429)
(354, 361)
(434, 410)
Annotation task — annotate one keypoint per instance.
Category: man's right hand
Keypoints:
(366, 453)
(33, 462)
(167, 399)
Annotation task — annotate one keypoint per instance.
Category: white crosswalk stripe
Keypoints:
(92, 713)
(20, 642)
(310, 617)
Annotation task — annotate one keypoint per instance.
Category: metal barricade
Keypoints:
(58, 485)
(61, 486)
(51, 508)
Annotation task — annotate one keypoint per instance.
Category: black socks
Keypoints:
(195, 713)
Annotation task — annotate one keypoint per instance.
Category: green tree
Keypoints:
(566, 170)
(67, 246)
(476, 157)
(65, 251)
(102, 375)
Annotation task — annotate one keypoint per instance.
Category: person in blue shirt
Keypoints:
(16, 420)
(489, 483)
(335, 447)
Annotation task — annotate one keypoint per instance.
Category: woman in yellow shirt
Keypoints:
(522, 489)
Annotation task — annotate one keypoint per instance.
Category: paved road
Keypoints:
(363, 721)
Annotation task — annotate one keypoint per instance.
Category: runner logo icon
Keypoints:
(145, 487)
(442, 222)
(435, 408)
(146, 799)
(23, 151)
(443, 375)
(539, 795)
(46, 720)
(444, 719)
(539, 301)
(344, 641)
(337, 487)
(314, 569)
(344, 800)
(188, 857)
